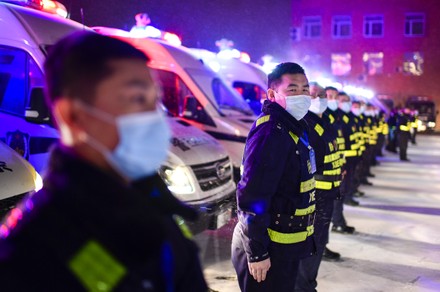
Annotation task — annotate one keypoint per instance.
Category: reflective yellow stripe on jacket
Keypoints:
(289, 238)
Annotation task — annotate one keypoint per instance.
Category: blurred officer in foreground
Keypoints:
(276, 193)
(104, 219)
(328, 177)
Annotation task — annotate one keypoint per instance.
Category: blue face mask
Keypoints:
(332, 104)
(143, 142)
(345, 106)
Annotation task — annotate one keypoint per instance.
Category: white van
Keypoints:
(196, 94)
(248, 79)
(198, 169)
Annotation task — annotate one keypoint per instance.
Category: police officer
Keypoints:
(104, 220)
(351, 146)
(403, 126)
(392, 134)
(276, 193)
(328, 177)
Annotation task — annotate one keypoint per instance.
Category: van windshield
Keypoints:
(221, 96)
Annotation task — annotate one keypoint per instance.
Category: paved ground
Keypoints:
(397, 243)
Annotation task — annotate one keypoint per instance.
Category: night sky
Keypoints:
(256, 26)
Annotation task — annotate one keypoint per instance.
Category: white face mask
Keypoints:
(368, 113)
(298, 105)
(356, 111)
(318, 105)
(345, 106)
(332, 104)
(363, 108)
(143, 142)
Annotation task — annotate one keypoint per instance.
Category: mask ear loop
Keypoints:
(96, 112)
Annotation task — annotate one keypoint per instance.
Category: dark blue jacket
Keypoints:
(87, 230)
(275, 195)
(329, 160)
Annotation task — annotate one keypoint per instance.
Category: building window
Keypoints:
(312, 27)
(373, 63)
(341, 64)
(341, 26)
(414, 24)
(413, 63)
(373, 26)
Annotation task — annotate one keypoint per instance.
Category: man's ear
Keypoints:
(64, 112)
(64, 115)
(271, 94)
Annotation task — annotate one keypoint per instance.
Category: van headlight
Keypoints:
(38, 182)
(178, 180)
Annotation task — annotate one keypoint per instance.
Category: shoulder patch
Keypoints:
(319, 129)
(345, 119)
(261, 120)
(96, 268)
(331, 118)
(294, 137)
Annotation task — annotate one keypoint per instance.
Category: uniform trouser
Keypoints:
(413, 136)
(280, 277)
(380, 144)
(338, 218)
(403, 138)
(391, 146)
(349, 184)
(308, 267)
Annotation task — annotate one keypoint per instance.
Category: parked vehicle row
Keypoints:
(198, 170)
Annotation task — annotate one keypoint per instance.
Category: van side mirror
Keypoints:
(193, 110)
(190, 107)
(37, 111)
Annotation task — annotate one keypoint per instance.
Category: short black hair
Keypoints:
(274, 78)
(77, 63)
(330, 88)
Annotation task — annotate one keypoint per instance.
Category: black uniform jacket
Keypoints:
(270, 185)
(323, 137)
(87, 230)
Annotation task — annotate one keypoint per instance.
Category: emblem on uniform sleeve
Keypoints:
(19, 141)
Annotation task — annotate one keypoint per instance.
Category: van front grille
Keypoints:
(214, 174)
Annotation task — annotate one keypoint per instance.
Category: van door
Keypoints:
(19, 74)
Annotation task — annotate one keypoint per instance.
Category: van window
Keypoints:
(176, 96)
(18, 75)
(218, 92)
(252, 93)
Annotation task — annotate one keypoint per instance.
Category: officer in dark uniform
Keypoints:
(328, 177)
(392, 134)
(276, 193)
(351, 147)
(104, 220)
(383, 132)
(332, 116)
(403, 126)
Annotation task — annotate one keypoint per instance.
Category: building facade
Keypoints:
(389, 46)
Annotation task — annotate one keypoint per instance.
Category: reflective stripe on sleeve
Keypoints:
(263, 119)
(306, 211)
(308, 185)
